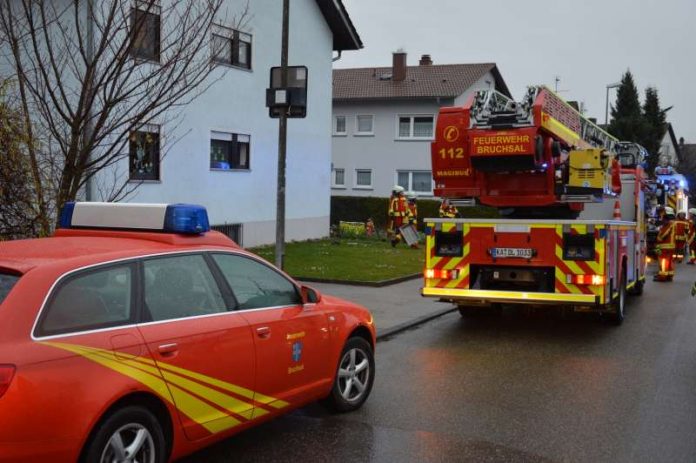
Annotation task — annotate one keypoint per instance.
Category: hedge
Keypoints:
(359, 209)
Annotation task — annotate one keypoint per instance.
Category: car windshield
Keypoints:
(7, 282)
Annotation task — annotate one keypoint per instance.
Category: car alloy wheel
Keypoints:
(129, 444)
(354, 374)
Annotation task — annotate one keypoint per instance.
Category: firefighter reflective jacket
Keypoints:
(666, 236)
(413, 211)
(447, 211)
(682, 230)
(398, 211)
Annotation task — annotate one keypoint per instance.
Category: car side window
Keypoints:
(95, 299)
(180, 287)
(254, 284)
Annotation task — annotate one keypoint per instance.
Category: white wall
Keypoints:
(237, 104)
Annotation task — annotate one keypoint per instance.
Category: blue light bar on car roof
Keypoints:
(168, 218)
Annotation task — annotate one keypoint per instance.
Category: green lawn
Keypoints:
(348, 259)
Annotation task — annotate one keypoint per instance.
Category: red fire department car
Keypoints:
(135, 334)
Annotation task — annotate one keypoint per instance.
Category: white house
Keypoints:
(383, 121)
(669, 147)
(225, 157)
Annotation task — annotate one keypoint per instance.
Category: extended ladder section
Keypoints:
(537, 152)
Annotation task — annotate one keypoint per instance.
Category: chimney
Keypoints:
(399, 66)
(425, 60)
(681, 141)
(593, 120)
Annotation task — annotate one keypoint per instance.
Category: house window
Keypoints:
(363, 178)
(364, 125)
(339, 127)
(416, 127)
(419, 181)
(338, 178)
(144, 153)
(229, 151)
(145, 30)
(231, 47)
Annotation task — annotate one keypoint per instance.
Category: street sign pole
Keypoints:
(282, 145)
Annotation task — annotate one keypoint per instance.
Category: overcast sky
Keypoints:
(588, 44)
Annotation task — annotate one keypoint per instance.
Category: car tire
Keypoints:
(638, 288)
(618, 306)
(354, 377)
(131, 432)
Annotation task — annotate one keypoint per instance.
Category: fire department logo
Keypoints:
(451, 134)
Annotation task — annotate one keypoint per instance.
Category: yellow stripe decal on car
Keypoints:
(172, 384)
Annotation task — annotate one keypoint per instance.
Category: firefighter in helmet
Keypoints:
(448, 210)
(691, 241)
(682, 231)
(666, 243)
(398, 214)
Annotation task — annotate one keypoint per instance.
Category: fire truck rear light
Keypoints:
(594, 280)
(442, 274)
(6, 374)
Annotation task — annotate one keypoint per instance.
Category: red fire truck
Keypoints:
(572, 228)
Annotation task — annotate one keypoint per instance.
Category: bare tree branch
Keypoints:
(84, 90)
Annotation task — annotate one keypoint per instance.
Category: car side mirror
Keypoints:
(310, 295)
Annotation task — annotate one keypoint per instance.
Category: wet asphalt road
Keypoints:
(521, 387)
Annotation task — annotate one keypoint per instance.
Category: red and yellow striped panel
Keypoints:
(448, 263)
(578, 267)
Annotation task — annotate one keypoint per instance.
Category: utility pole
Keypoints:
(282, 145)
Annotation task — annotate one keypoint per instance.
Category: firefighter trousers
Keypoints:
(666, 263)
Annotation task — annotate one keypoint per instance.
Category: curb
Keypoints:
(389, 332)
(373, 284)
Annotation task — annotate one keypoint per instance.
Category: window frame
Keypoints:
(412, 118)
(335, 131)
(147, 7)
(157, 176)
(235, 38)
(356, 186)
(358, 133)
(339, 186)
(63, 280)
(410, 173)
(298, 290)
(235, 150)
(138, 282)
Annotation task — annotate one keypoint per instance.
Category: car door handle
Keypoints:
(263, 332)
(168, 349)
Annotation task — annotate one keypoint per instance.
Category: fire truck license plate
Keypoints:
(524, 253)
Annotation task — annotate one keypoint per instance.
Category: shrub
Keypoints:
(359, 209)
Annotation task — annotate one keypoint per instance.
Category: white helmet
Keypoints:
(411, 194)
(692, 211)
(669, 211)
(397, 189)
